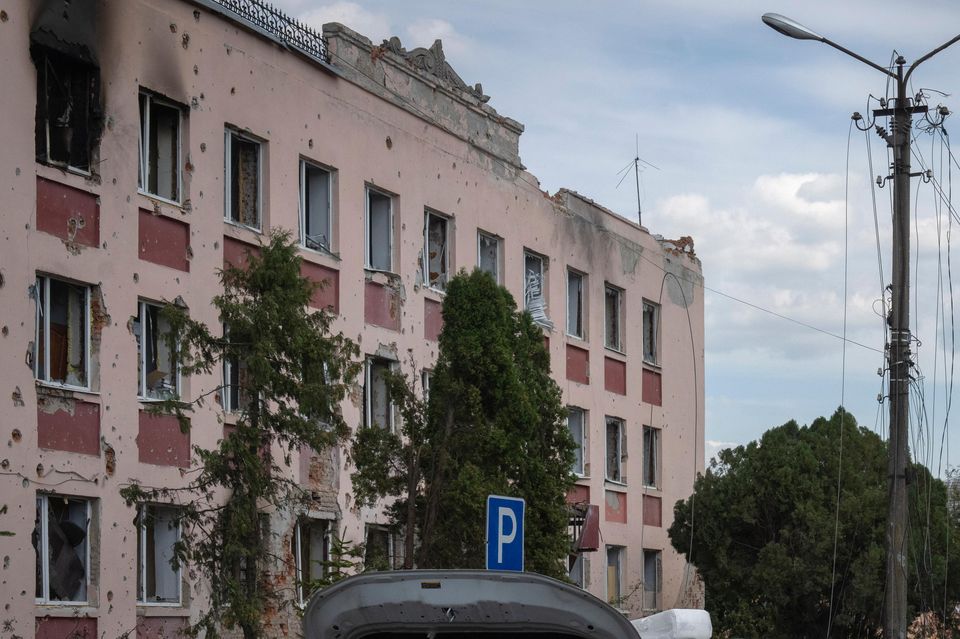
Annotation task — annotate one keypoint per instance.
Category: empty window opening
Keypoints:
(615, 575)
(236, 393)
(316, 220)
(158, 375)
(652, 577)
(61, 347)
(68, 108)
(378, 549)
(243, 180)
(534, 287)
(435, 260)
(651, 457)
(379, 242)
(378, 408)
(612, 318)
(159, 147)
(576, 423)
(575, 292)
(651, 332)
(488, 254)
(312, 540)
(616, 450)
(61, 538)
(158, 574)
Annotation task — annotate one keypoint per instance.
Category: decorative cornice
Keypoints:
(434, 62)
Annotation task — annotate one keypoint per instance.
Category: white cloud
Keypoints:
(375, 26)
(422, 33)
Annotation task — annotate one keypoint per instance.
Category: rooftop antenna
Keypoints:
(635, 163)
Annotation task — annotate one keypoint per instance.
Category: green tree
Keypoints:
(494, 424)
(759, 528)
(290, 392)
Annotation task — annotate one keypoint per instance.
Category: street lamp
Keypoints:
(898, 355)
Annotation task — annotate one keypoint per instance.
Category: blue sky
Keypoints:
(750, 132)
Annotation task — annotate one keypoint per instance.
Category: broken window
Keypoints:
(576, 420)
(157, 372)
(68, 109)
(651, 457)
(616, 450)
(612, 318)
(312, 539)
(651, 332)
(378, 408)
(435, 261)
(576, 569)
(534, 287)
(652, 577)
(243, 177)
(379, 235)
(159, 147)
(316, 219)
(378, 549)
(61, 345)
(158, 573)
(235, 393)
(488, 254)
(615, 556)
(426, 376)
(61, 538)
(575, 292)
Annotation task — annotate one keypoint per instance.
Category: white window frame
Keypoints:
(620, 450)
(328, 534)
(617, 345)
(498, 242)
(620, 551)
(368, 389)
(651, 355)
(142, 355)
(142, 511)
(228, 135)
(149, 99)
(536, 305)
(655, 434)
(655, 592)
(367, 239)
(580, 471)
(581, 305)
(306, 165)
(43, 504)
(42, 299)
(442, 280)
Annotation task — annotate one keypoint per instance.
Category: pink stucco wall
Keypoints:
(223, 75)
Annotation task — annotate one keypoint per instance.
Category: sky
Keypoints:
(750, 133)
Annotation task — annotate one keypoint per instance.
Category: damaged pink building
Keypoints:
(148, 142)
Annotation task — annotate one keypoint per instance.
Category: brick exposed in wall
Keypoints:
(578, 364)
(163, 240)
(615, 375)
(68, 213)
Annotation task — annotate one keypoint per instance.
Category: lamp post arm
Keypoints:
(876, 66)
(930, 55)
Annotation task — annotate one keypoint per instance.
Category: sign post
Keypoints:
(505, 533)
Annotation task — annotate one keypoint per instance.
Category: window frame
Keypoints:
(42, 289)
(142, 559)
(305, 165)
(367, 238)
(655, 442)
(581, 304)
(579, 470)
(327, 550)
(229, 134)
(391, 545)
(498, 242)
(143, 184)
(618, 347)
(621, 441)
(43, 505)
(657, 557)
(537, 312)
(653, 333)
(620, 552)
(142, 389)
(391, 365)
(425, 251)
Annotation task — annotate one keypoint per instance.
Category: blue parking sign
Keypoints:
(505, 533)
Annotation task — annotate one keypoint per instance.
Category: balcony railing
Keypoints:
(278, 26)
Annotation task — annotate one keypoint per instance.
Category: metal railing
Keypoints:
(284, 29)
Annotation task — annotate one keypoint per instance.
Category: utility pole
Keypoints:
(899, 354)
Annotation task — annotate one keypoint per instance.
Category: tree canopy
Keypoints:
(293, 375)
(759, 528)
(494, 423)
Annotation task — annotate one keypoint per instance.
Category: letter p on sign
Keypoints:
(505, 533)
